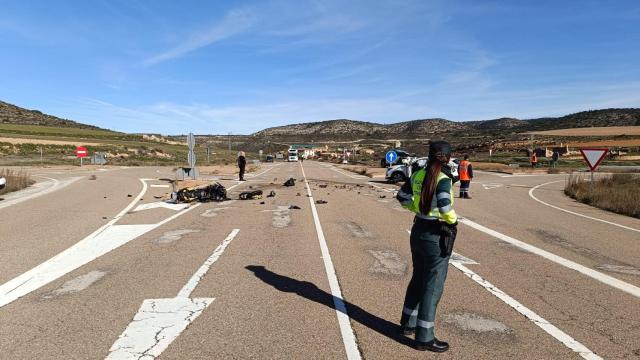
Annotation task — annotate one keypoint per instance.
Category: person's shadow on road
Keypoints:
(312, 292)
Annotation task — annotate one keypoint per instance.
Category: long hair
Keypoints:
(429, 186)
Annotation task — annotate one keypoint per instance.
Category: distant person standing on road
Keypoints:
(554, 158)
(242, 164)
(429, 194)
(534, 159)
(465, 171)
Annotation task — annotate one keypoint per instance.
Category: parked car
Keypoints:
(269, 158)
(402, 172)
(402, 156)
(3, 182)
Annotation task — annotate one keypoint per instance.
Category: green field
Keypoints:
(62, 132)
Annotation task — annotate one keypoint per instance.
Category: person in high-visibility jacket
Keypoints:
(429, 194)
(465, 171)
(534, 159)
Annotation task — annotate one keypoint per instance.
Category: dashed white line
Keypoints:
(348, 337)
(575, 213)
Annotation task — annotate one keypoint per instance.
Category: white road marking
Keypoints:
(550, 329)
(381, 187)
(202, 271)
(36, 190)
(339, 171)
(154, 327)
(105, 239)
(575, 213)
(78, 284)
(160, 186)
(161, 204)
(605, 279)
(491, 186)
(159, 322)
(348, 337)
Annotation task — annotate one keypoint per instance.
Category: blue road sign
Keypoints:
(391, 157)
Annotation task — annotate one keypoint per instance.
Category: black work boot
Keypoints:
(434, 345)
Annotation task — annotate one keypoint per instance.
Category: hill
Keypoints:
(15, 115)
(344, 128)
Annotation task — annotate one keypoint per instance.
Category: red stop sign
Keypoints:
(81, 152)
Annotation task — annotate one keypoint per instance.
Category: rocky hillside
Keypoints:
(344, 128)
(11, 114)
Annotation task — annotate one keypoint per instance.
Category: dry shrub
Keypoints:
(16, 180)
(617, 193)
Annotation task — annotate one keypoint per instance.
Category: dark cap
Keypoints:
(440, 150)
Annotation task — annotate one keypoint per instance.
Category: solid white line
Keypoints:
(348, 337)
(159, 186)
(550, 329)
(575, 213)
(36, 190)
(202, 271)
(381, 187)
(605, 279)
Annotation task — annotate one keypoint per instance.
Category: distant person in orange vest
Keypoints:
(465, 171)
(534, 159)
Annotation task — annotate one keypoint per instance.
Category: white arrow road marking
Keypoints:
(100, 242)
(574, 213)
(159, 322)
(161, 204)
(549, 328)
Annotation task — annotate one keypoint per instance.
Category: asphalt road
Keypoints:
(100, 268)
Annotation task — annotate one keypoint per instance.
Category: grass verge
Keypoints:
(16, 180)
(617, 193)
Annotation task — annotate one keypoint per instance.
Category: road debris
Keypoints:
(206, 193)
(320, 202)
(290, 182)
(322, 186)
(93, 177)
(271, 194)
(294, 207)
(251, 195)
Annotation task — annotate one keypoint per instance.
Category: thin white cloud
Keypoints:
(235, 22)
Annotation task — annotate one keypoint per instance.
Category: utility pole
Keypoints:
(41, 158)
(229, 142)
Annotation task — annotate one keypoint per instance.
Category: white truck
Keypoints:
(293, 154)
(3, 182)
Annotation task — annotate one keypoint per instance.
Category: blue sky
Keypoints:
(239, 66)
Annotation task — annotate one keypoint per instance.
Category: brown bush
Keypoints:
(16, 180)
(617, 193)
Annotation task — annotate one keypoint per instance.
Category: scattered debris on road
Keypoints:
(290, 182)
(93, 177)
(271, 194)
(322, 186)
(206, 193)
(294, 207)
(251, 195)
(320, 202)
